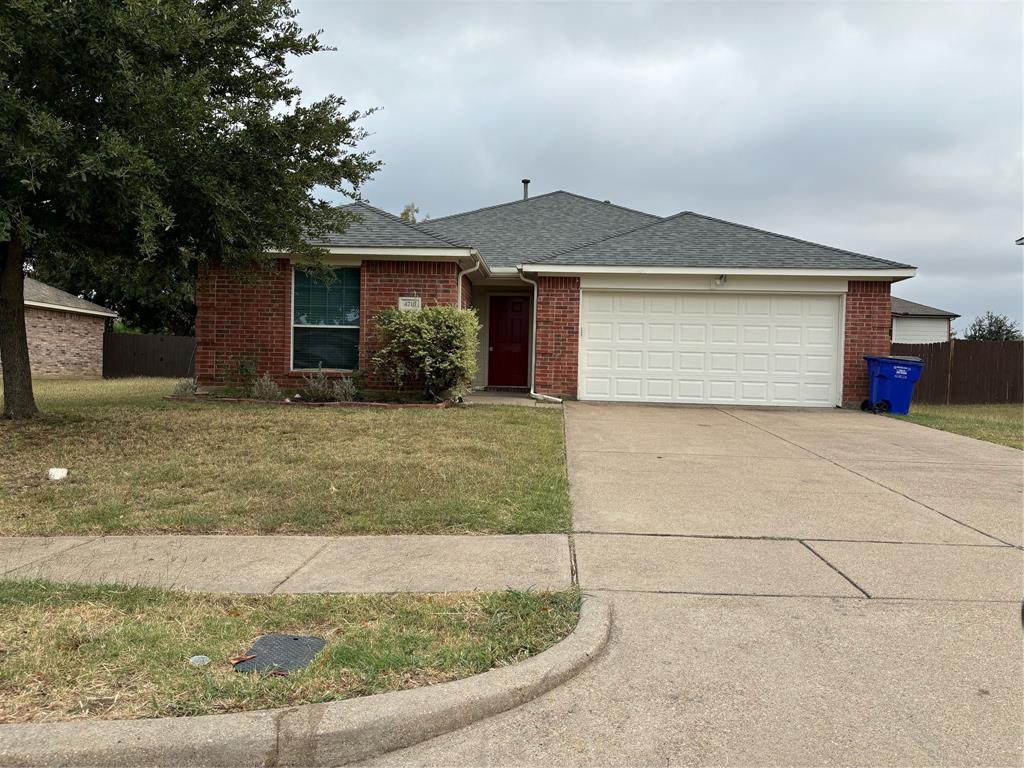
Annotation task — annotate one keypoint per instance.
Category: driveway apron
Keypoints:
(790, 587)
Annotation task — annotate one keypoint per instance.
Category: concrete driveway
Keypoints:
(789, 587)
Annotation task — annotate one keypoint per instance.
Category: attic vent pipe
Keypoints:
(526, 188)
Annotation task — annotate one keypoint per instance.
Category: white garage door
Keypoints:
(752, 349)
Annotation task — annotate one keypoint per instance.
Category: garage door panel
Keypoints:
(661, 333)
(692, 333)
(629, 360)
(755, 335)
(658, 389)
(724, 348)
(724, 334)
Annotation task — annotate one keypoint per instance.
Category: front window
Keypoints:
(325, 321)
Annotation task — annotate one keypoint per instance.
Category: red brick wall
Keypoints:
(467, 293)
(868, 332)
(243, 315)
(558, 335)
(250, 315)
(381, 283)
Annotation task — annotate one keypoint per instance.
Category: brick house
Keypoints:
(65, 333)
(577, 298)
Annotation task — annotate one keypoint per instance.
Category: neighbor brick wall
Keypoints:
(243, 315)
(868, 332)
(558, 335)
(250, 315)
(64, 343)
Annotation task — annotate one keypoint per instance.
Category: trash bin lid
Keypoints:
(904, 358)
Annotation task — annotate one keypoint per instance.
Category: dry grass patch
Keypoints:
(113, 652)
(998, 423)
(140, 464)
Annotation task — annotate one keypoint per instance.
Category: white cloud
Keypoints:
(888, 128)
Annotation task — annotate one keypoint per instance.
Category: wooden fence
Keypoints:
(134, 354)
(961, 372)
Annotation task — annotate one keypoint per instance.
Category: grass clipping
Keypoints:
(70, 652)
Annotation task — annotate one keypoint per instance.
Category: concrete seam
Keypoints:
(834, 568)
(740, 537)
(44, 558)
(300, 566)
(871, 480)
(790, 596)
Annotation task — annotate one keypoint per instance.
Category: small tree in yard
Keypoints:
(143, 138)
(992, 327)
(434, 347)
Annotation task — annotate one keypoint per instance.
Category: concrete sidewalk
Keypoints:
(296, 564)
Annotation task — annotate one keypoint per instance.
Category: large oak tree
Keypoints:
(143, 137)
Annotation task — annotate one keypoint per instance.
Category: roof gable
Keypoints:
(913, 309)
(41, 293)
(692, 240)
(373, 228)
(523, 231)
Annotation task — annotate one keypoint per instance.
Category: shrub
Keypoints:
(185, 387)
(316, 387)
(344, 390)
(434, 347)
(265, 388)
(238, 375)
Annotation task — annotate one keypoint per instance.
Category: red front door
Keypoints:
(508, 341)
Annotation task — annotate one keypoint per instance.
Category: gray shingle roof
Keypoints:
(41, 293)
(913, 309)
(524, 231)
(373, 227)
(692, 240)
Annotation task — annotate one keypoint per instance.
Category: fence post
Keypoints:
(949, 373)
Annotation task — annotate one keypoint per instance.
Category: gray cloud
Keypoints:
(889, 129)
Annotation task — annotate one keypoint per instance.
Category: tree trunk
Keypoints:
(18, 400)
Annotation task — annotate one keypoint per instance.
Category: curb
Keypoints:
(335, 733)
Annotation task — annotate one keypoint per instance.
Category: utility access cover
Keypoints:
(282, 653)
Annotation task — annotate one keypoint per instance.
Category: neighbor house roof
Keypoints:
(373, 228)
(913, 309)
(525, 231)
(39, 294)
(691, 240)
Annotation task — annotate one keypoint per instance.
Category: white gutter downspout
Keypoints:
(533, 343)
(463, 273)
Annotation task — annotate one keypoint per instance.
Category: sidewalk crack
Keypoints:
(300, 566)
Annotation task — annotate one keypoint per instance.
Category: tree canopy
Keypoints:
(142, 138)
(993, 327)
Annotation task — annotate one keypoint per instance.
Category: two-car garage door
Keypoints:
(752, 349)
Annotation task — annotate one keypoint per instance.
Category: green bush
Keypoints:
(434, 347)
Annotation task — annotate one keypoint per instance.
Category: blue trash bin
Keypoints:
(891, 382)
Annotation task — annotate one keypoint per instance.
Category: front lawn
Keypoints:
(141, 464)
(1002, 424)
(69, 652)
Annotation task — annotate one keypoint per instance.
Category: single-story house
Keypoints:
(914, 323)
(578, 298)
(65, 333)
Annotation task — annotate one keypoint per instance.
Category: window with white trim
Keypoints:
(325, 320)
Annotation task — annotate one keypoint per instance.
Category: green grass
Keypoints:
(141, 464)
(1002, 424)
(70, 652)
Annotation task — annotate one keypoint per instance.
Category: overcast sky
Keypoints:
(889, 129)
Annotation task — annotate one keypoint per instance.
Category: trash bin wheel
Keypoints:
(866, 406)
(882, 406)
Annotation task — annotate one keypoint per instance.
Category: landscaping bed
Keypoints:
(995, 423)
(114, 652)
(141, 464)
